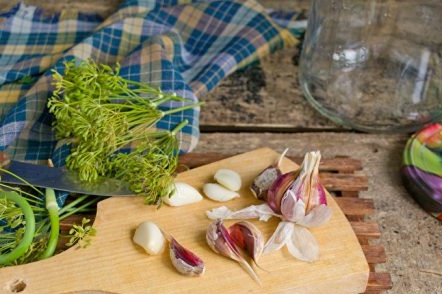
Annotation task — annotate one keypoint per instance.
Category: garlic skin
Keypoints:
(150, 237)
(228, 178)
(183, 194)
(185, 261)
(218, 193)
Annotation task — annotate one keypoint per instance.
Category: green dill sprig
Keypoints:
(81, 234)
(101, 113)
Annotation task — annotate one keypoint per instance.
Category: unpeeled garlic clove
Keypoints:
(249, 238)
(185, 261)
(183, 194)
(218, 193)
(265, 179)
(277, 190)
(149, 236)
(220, 241)
(228, 178)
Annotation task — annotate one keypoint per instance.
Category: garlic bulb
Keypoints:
(149, 236)
(299, 199)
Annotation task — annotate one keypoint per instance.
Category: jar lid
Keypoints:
(422, 168)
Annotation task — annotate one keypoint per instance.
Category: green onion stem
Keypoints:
(52, 207)
(67, 213)
(28, 235)
(69, 205)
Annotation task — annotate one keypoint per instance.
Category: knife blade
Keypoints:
(62, 179)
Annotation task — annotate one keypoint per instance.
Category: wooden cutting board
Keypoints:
(114, 264)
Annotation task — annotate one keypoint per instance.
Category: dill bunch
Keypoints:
(100, 113)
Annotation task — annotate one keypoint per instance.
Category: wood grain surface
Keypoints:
(113, 263)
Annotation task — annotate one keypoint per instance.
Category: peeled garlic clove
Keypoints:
(248, 237)
(149, 236)
(220, 241)
(218, 193)
(183, 194)
(185, 261)
(228, 178)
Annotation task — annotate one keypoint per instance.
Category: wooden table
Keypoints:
(263, 107)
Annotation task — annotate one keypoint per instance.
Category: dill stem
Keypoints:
(179, 109)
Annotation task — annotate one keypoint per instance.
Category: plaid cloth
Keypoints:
(186, 47)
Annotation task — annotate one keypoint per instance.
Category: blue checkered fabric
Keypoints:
(186, 47)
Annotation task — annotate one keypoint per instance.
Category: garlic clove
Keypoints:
(185, 261)
(248, 237)
(278, 189)
(218, 193)
(266, 178)
(263, 181)
(220, 241)
(183, 194)
(149, 236)
(228, 178)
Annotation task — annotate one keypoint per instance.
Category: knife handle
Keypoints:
(4, 160)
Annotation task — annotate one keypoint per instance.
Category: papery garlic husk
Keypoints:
(249, 238)
(262, 212)
(299, 241)
(304, 202)
(185, 261)
(220, 241)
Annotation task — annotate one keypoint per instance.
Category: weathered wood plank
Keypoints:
(374, 253)
(355, 206)
(368, 230)
(379, 281)
(338, 163)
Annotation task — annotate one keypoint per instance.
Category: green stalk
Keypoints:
(28, 235)
(52, 207)
(78, 209)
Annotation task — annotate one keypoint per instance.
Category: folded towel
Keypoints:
(186, 47)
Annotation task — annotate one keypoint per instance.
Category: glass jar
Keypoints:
(374, 65)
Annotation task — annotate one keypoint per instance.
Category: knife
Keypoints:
(59, 179)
